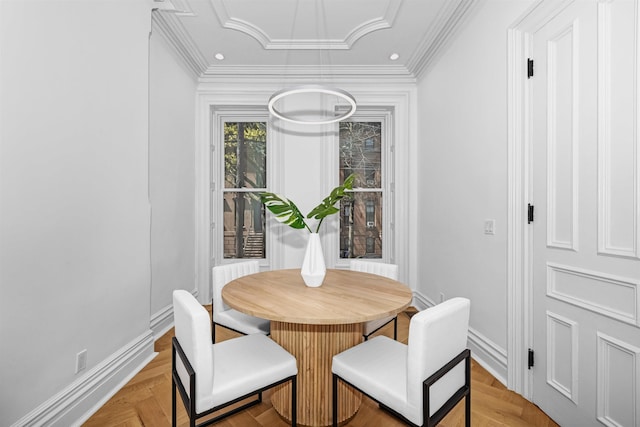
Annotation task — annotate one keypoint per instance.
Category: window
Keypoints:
(371, 213)
(361, 227)
(371, 248)
(369, 144)
(245, 177)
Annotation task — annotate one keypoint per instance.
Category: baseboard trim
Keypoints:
(421, 301)
(488, 354)
(162, 321)
(82, 398)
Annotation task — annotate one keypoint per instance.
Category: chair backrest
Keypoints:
(193, 331)
(381, 269)
(223, 274)
(436, 335)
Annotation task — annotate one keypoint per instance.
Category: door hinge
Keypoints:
(529, 68)
(530, 361)
(530, 213)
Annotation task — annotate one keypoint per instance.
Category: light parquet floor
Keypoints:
(146, 399)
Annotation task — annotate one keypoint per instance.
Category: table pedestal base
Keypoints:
(314, 347)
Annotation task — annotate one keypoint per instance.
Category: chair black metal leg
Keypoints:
(467, 411)
(213, 325)
(395, 328)
(173, 404)
(467, 403)
(334, 405)
(294, 402)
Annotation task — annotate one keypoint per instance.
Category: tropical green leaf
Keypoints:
(327, 206)
(285, 210)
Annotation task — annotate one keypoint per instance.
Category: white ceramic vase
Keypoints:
(313, 268)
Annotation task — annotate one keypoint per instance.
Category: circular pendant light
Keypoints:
(317, 89)
(312, 89)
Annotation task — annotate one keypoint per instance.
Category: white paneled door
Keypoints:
(585, 184)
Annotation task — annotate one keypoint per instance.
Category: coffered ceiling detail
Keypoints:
(350, 39)
(311, 25)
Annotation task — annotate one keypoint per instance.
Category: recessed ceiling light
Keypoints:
(394, 56)
(219, 56)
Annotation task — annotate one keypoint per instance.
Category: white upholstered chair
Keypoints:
(381, 269)
(226, 316)
(421, 381)
(210, 377)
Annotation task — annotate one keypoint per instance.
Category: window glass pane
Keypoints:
(371, 242)
(244, 235)
(360, 153)
(361, 225)
(245, 154)
(370, 211)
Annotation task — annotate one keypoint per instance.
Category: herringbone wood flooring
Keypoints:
(146, 399)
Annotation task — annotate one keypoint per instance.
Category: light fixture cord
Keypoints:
(287, 59)
(321, 28)
(327, 42)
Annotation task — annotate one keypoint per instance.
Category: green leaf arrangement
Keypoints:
(288, 213)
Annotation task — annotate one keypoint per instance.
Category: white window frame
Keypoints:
(220, 115)
(384, 115)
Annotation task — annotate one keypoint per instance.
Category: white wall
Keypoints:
(463, 159)
(75, 220)
(171, 178)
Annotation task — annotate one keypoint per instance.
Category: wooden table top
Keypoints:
(344, 297)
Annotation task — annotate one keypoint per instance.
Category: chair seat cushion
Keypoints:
(373, 325)
(245, 364)
(378, 366)
(242, 322)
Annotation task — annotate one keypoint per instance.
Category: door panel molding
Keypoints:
(562, 124)
(562, 355)
(621, 360)
(618, 212)
(609, 295)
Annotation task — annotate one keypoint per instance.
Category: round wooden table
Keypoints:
(314, 324)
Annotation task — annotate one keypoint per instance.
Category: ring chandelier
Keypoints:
(317, 89)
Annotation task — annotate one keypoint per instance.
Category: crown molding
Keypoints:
(308, 74)
(270, 43)
(170, 27)
(448, 21)
(179, 7)
(182, 8)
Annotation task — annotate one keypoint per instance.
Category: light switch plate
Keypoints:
(490, 226)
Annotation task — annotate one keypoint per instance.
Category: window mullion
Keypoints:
(243, 190)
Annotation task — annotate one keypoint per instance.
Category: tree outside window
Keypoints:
(245, 169)
(361, 212)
